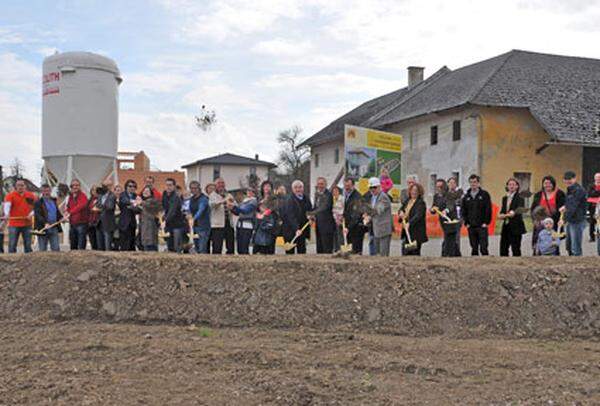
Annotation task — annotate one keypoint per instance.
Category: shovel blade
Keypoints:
(288, 246)
(346, 248)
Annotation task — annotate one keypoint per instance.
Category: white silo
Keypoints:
(80, 117)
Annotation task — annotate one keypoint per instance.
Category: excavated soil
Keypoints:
(90, 328)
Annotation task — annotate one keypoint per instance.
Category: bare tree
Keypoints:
(17, 168)
(292, 156)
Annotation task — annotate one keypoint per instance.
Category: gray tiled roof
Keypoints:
(561, 92)
(229, 159)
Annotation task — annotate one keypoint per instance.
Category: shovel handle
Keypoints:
(301, 231)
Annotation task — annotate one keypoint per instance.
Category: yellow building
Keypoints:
(520, 114)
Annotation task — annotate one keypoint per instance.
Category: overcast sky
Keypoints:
(262, 65)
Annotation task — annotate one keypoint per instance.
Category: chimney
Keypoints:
(415, 75)
(256, 157)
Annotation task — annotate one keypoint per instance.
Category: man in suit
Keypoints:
(127, 220)
(380, 217)
(353, 216)
(511, 215)
(477, 213)
(294, 216)
(174, 218)
(323, 215)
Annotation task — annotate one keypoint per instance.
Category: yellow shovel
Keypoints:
(410, 245)
(561, 230)
(46, 227)
(162, 234)
(346, 247)
(445, 217)
(288, 246)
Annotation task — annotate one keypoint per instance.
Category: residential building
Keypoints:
(520, 114)
(238, 171)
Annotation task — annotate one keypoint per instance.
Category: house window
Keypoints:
(434, 135)
(456, 127)
(456, 175)
(253, 170)
(316, 160)
(336, 156)
(432, 181)
(216, 171)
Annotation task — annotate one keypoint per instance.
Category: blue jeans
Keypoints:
(372, 250)
(150, 248)
(575, 238)
(51, 237)
(104, 239)
(78, 236)
(13, 238)
(201, 243)
(175, 240)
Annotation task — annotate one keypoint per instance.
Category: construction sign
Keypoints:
(371, 153)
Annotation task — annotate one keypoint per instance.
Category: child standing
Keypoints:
(548, 241)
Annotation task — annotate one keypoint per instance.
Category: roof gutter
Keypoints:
(567, 144)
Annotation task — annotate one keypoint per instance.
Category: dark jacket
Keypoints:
(576, 204)
(265, 231)
(40, 213)
(352, 211)
(416, 220)
(593, 193)
(447, 205)
(200, 210)
(560, 201)
(127, 218)
(477, 210)
(293, 215)
(324, 212)
(107, 203)
(173, 216)
(514, 225)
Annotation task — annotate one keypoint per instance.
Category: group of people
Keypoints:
(209, 220)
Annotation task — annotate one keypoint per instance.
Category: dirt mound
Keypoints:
(529, 297)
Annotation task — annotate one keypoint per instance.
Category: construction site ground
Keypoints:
(114, 328)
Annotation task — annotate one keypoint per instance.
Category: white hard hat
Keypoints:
(374, 182)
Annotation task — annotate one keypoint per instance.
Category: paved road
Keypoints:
(434, 247)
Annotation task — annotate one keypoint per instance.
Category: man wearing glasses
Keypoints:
(127, 219)
(77, 213)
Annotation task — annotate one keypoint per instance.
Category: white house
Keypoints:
(236, 170)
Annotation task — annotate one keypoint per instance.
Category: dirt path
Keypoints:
(88, 363)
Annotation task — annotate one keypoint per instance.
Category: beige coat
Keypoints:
(217, 210)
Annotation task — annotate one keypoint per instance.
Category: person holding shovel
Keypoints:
(443, 206)
(476, 210)
(18, 211)
(295, 220)
(77, 213)
(511, 214)
(355, 229)
(246, 212)
(149, 222)
(47, 219)
(379, 215)
(413, 215)
(323, 217)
